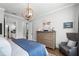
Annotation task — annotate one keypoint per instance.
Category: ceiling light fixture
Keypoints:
(28, 13)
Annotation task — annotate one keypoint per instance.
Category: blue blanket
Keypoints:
(33, 48)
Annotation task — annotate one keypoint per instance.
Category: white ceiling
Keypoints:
(38, 8)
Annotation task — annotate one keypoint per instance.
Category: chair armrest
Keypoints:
(73, 51)
(63, 43)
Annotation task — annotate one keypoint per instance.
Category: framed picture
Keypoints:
(68, 24)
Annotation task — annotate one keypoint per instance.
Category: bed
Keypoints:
(17, 50)
(23, 47)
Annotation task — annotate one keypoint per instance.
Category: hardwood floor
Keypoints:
(56, 52)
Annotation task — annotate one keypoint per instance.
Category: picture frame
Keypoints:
(68, 24)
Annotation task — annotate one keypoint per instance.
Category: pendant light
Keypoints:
(28, 13)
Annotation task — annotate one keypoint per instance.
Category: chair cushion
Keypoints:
(71, 43)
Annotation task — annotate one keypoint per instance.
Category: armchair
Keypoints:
(69, 51)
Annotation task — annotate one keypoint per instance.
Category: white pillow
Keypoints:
(5, 47)
(71, 43)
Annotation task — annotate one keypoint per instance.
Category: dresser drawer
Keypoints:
(49, 44)
(47, 38)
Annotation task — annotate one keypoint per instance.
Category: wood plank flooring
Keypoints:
(56, 52)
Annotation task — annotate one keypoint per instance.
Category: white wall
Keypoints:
(58, 18)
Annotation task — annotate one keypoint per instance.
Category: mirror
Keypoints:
(10, 29)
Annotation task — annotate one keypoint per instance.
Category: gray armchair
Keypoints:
(68, 50)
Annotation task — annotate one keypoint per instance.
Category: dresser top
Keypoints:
(46, 31)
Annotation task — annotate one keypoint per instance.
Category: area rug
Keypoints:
(50, 54)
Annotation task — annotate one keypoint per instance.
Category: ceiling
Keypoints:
(38, 8)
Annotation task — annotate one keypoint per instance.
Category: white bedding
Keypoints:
(5, 47)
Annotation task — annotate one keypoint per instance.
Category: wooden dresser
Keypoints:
(47, 37)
